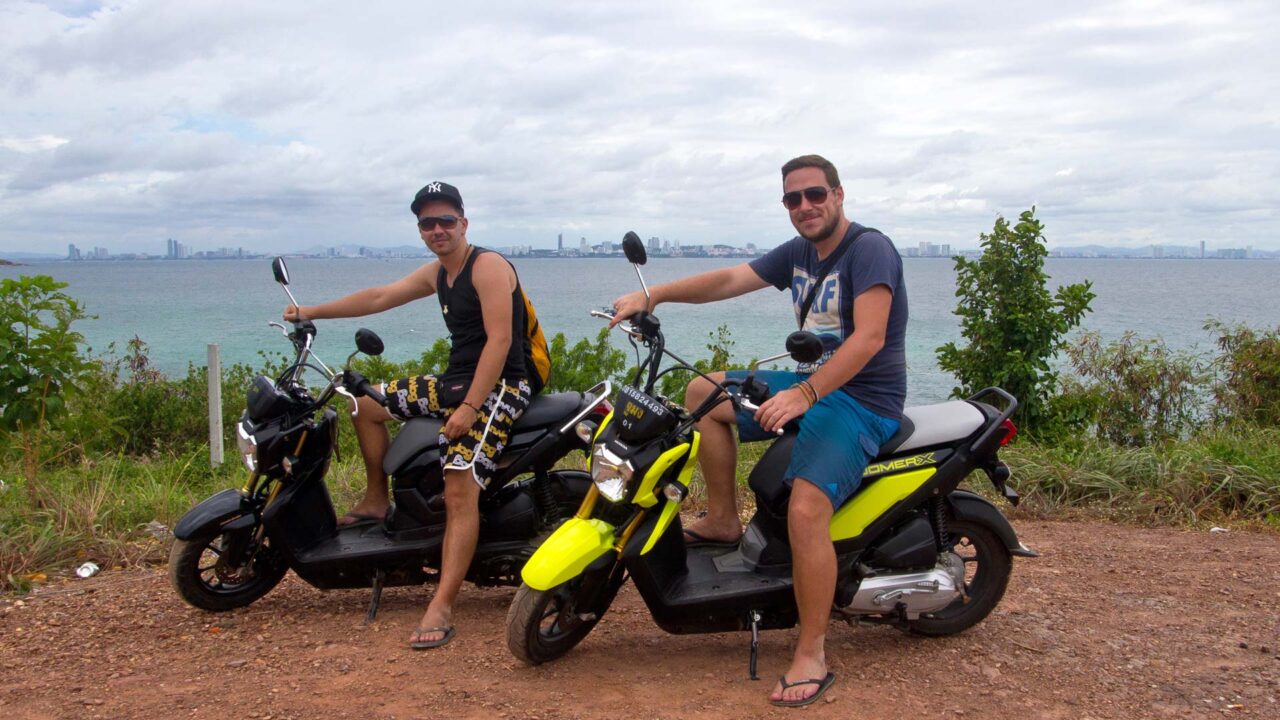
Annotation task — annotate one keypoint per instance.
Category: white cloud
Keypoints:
(32, 144)
(125, 123)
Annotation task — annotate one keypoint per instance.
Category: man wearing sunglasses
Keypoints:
(486, 386)
(846, 286)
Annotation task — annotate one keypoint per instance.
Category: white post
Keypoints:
(215, 407)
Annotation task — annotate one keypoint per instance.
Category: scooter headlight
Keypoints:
(611, 473)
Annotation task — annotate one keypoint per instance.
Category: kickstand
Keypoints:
(378, 577)
(755, 643)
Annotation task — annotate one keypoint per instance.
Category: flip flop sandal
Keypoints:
(693, 539)
(822, 683)
(438, 642)
(355, 518)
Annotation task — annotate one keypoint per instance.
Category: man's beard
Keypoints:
(824, 232)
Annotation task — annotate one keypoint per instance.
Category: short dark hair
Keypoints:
(814, 161)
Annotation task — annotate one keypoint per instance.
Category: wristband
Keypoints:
(473, 407)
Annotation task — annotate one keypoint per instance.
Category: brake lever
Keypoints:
(749, 406)
(283, 330)
(355, 406)
(629, 328)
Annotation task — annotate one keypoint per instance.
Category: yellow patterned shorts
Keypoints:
(478, 449)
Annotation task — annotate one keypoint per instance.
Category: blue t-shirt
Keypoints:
(881, 385)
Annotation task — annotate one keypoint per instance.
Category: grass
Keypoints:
(1217, 476)
(106, 509)
(115, 510)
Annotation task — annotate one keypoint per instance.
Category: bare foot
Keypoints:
(796, 677)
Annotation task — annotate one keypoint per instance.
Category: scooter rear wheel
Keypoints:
(542, 625)
(988, 565)
(204, 574)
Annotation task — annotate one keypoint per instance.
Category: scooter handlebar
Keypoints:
(359, 385)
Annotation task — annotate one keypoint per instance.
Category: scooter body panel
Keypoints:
(569, 550)
(210, 514)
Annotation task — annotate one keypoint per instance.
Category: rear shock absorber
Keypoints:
(545, 498)
(938, 519)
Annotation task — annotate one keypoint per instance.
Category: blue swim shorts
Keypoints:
(838, 437)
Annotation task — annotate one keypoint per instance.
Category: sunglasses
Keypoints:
(816, 195)
(447, 222)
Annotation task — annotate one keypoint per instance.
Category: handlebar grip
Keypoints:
(359, 385)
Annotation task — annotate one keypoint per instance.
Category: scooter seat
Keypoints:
(926, 425)
(419, 433)
(548, 410)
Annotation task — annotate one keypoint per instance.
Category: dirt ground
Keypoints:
(1111, 622)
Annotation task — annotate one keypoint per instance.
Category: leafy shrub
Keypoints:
(1134, 391)
(720, 344)
(1248, 374)
(585, 364)
(1012, 324)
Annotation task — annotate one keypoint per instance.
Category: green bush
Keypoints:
(585, 364)
(1133, 391)
(1247, 388)
(720, 344)
(1012, 325)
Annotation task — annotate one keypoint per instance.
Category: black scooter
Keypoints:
(235, 546)
(913, 550)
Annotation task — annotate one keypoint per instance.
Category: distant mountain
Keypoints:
(15, 255)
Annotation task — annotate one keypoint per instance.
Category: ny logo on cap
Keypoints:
(433, 187)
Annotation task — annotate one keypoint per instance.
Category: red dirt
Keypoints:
(1112, 622)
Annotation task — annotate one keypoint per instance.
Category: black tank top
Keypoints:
(461, 307)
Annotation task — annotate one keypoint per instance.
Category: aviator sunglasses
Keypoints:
(448, 222)
(816, 195)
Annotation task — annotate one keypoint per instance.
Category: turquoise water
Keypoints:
(178, 308)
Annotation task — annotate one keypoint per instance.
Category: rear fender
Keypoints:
(213, 514)
(569, 550)
(975, 508)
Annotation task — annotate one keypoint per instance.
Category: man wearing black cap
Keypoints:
(485, 388)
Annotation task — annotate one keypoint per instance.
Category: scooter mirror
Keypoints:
(368, 342)
(633, 248)
(804, 346)
(280, 271)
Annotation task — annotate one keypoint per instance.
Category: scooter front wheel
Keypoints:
(222, 572)
(542, 625)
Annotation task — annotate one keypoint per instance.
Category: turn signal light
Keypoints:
(1011, 430)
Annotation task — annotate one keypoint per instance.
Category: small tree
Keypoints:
(40, 364)
(1013, 325)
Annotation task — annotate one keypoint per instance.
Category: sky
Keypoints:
(284, 125)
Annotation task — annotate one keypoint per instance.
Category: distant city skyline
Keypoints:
(656, 246)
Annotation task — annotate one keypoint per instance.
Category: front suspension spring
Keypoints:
(546, 499)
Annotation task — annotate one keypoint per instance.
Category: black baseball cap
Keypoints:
(437, 191)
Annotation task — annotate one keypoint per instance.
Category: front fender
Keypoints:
(975, 508)
(569, 550)
(210, 515)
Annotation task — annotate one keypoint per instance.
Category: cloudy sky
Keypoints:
(282, 125)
